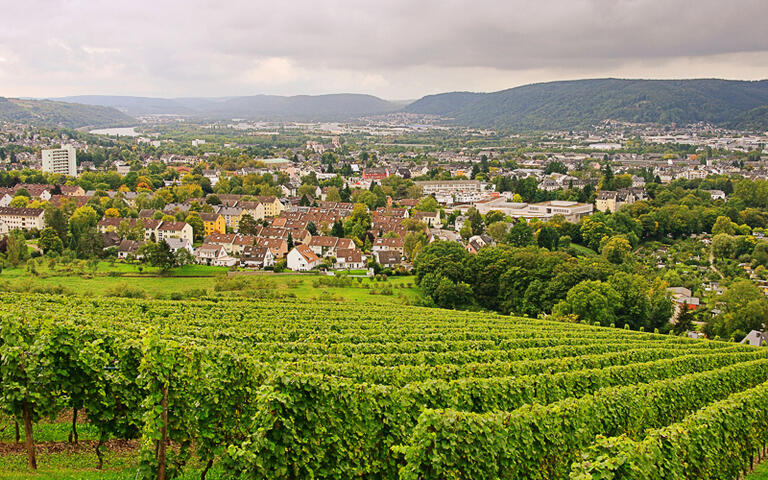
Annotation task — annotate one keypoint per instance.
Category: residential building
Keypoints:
(231, 216)
(278, 246)
(388, 258)
(60, 160)
(22, 218)
(180, 230)
(388, 244)
(128, 249)
(177, 244)
(328, 246)
(214, 255)
(213, 223)
(257, 257)
(716, 194)
(435, 187)
(349, 259)
(432, 219)
(755, 338)
(612, 201)
(272, 206)
(302, 259)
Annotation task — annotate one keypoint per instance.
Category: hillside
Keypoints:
(299, 107)
(60, 114)
(339, 390)
(579, 103)
(131, 105)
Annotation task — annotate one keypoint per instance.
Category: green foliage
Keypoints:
(60, 114)
(582, 103)
(49, 241)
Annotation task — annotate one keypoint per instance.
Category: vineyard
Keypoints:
(294, 390)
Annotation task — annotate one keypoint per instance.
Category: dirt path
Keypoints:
(116, 445)
(712, 263)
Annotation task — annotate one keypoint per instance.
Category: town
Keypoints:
(368, 198)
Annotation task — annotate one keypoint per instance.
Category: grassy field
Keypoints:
(760, 473)
(192, 281)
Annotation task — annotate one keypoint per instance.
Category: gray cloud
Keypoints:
(397, 49)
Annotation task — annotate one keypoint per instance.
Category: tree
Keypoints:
(358, 222)
(617, 250)
(521, 234)
(498, 231)
(592, 231)
(311, 228)
(635, 306)
(19, 202)
(290, 241)
(85, 239)
(16, 250)
(683, 320)
(413, 244)
(548, 237)
(160, 255)
(183, 257)
(198, 227)
(475, 221)
(50, 241)
(332, 194)
(213, 200)
(426, 204)
(55, 218)
(248, 225)
(723, 225)
(723, 246)
(112, 212)
(338, 229)
(555, 166)
(445, 259)
(466, 230)
(745, 309)
(607, 181)
(494, 216)
(446, 293)
(591, 301)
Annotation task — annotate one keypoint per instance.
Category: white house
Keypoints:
(302, 259)
(349, 259)
(180, 230)
(214, 255)
(716, 194)
(257, 257)
(177, 244)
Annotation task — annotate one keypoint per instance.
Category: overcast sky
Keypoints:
(396, 49)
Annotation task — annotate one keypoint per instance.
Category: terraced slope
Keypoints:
(286, 389)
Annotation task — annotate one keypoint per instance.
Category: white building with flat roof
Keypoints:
(60, 160)
(572, 211)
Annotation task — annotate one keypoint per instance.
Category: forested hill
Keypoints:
(46, 113)
(581, 103)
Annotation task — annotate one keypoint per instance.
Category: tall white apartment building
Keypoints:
(60, 160)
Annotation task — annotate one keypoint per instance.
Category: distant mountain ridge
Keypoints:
(581, 103)
(541, 106)
(299, 107)
(46, 113)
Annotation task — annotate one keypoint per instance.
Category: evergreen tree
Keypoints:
(684, 319)
(290, 241)
(338, 229)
